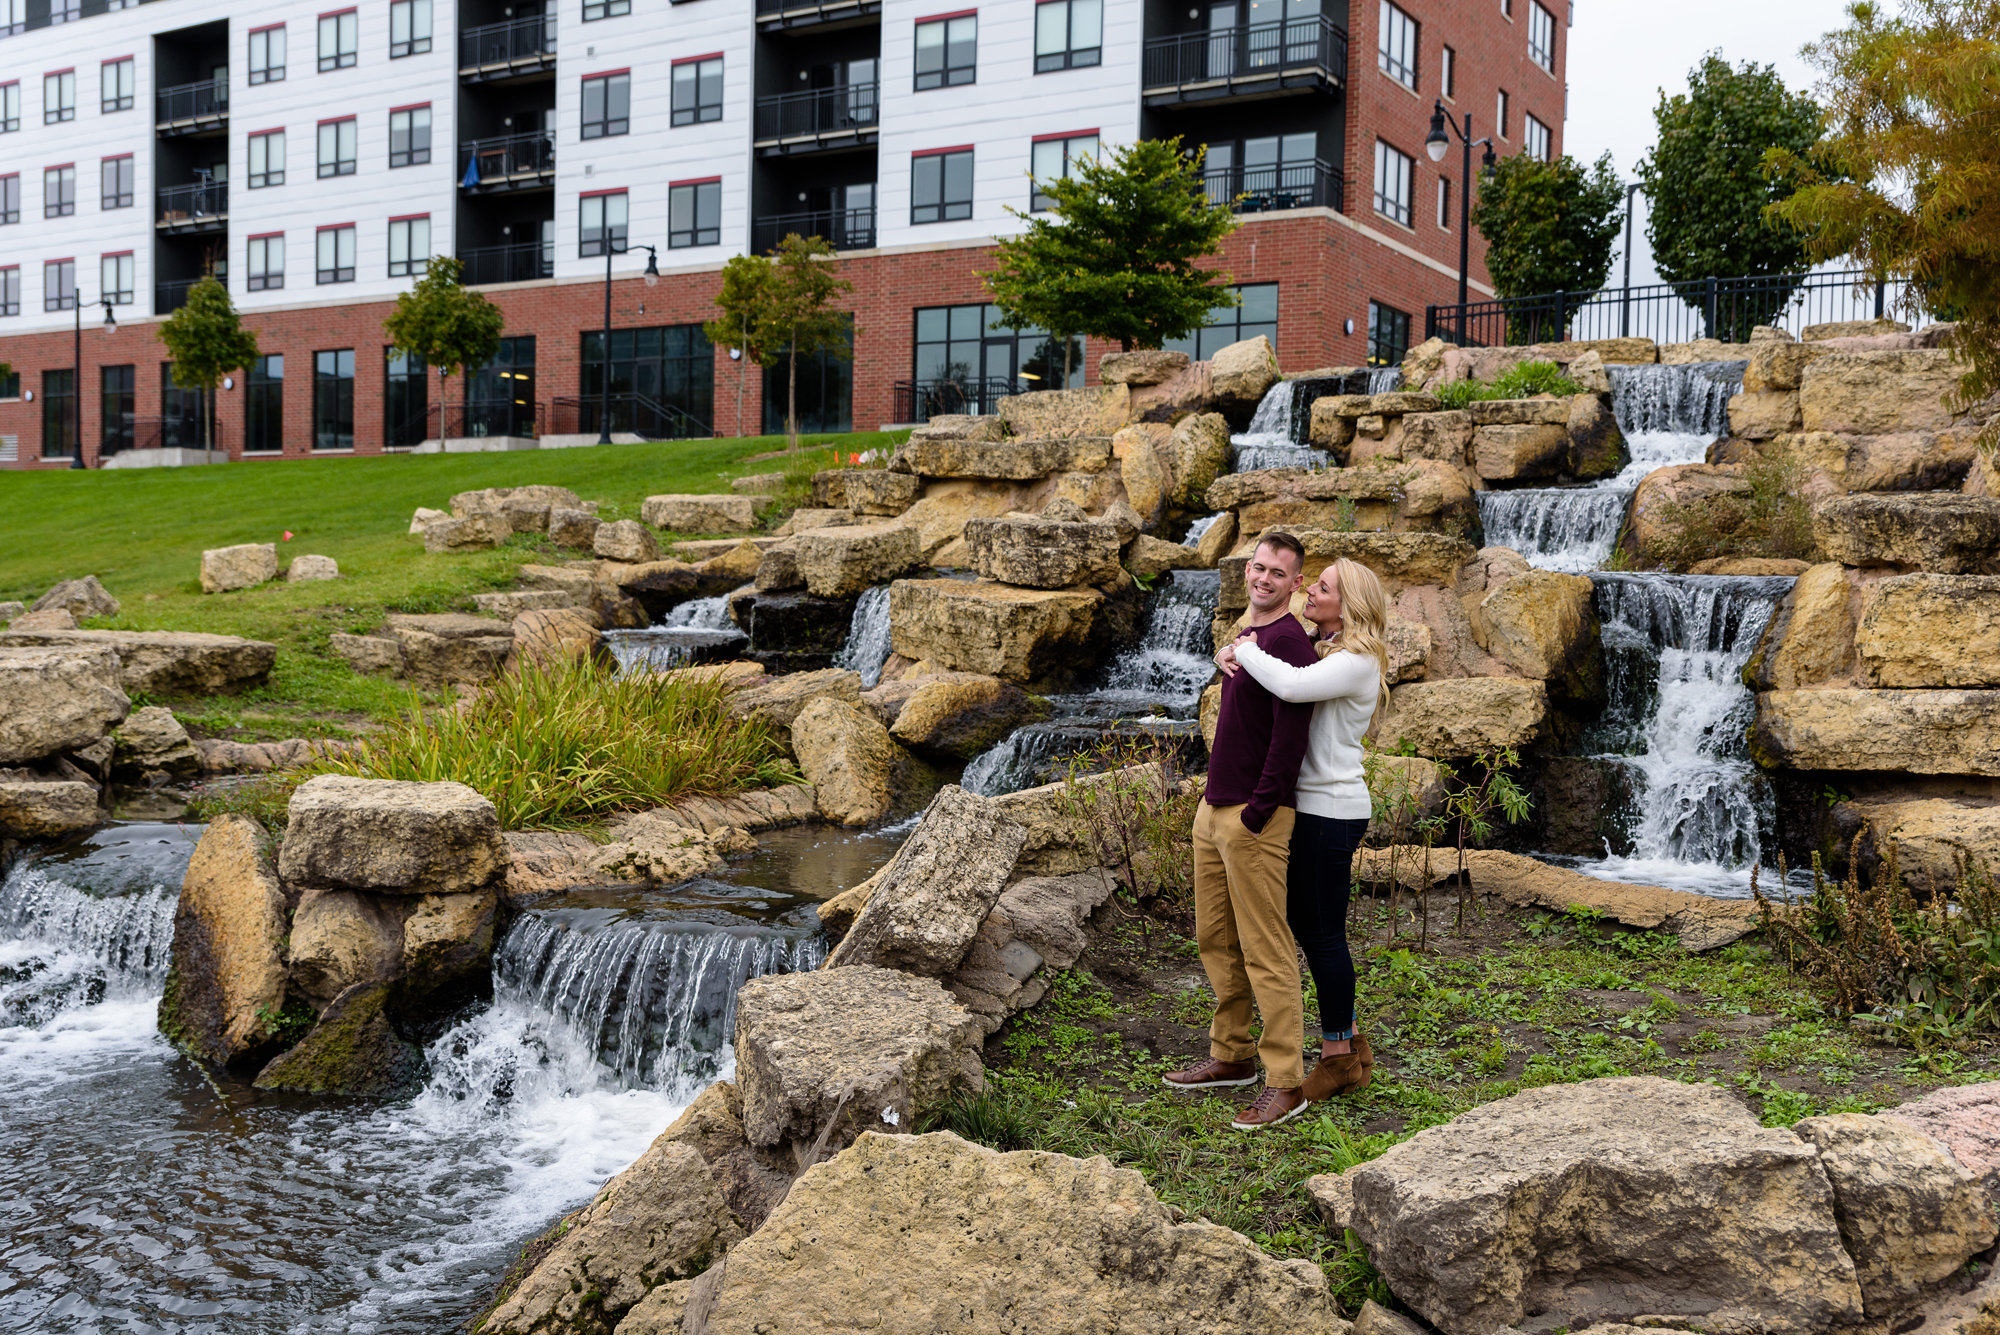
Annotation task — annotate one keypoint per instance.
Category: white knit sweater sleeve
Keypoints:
(1335, 677)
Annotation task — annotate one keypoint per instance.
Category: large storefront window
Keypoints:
(967, 359)
(264, 406)
(1232, 324)
(58, 414)
(502, 394)
(662, 381)
(825, 392)
(405, 401)
(181, 413)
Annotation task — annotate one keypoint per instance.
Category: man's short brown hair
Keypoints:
(1285, 542)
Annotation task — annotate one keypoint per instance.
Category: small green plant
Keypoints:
(1127, 794)
(286, 1025)
(1396, 799)
(1469, 810)
(1768, 516)
(1524, 380)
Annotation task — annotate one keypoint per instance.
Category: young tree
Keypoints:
(1906, 180)
(448, 326)
(798, 299)
(207, 341)
(1705, 187)
(1114, 256)
(1549, 226)
(745, 322)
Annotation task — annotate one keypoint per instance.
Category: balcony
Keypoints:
(194, 208)
(1269, 187)
(513, 162)
(845, 229)
(818, 120)
(1297, 57)
(511, 50)
(170, 297)
(778, 15)
(192, 108)
(519, 263)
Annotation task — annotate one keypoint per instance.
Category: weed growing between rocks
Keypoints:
(1770, 519)
(1137, 817)
(1521, 381)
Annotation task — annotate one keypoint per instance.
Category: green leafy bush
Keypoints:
(1770, 518)
(1524, 380)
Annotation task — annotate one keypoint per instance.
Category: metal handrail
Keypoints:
(207, 99)
(1251, 51)
(921, 400)
(838, 110)
(413, 430)
(843, 229)
(458, 421)
(578, 413)
(507, 43)
(194, 205)
(171, 295)
(508, 155)
(520, 262)
(1264, 188)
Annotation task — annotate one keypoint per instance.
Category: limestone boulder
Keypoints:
(945, 880)
(1200, 450)
(391, 837)
(1810, 637)
(1916, 731)
(163, 662)
(1545, 410)
(81, 598)
(1910, 1215)
(227, 982)
(908, 1235)
(1037, 553)
(700, 513)
(1123, 520)
(1098, 410)
(847, 757)
(1875, 393)
(36, 808)
(1523, 453)
(1036, 928)
(1819, 333)
(152, 741)
(56, 618)
(1151, 557)
(961, 713)
(573, 528)
(527, 509)
(1145, 468)
(445, 648)
(1764, 416)
(1543, 625)
(305, 569)
(1588, 374)
(354, 1049)
(1189, 390)
(626, 540)
(424, 517)
(1150, 367)
(778, 569)
(1444, 436)
(224, 569)
(470, 534)
(778, 700)
(1931, 630)
(902, 1048)
(56, 698)
(1019, 459)
(1941, 533)
(1216, 543)
(1612, 351)
(1466, 715)
(1596, 445)
(1776, 366)
(1242, 372)
(999, 630)
(1965, 1119)
(558, 635)
(1422, 363)
(878, 491)
(341, 939)
(1608, 1199)
(1932, 839)
(1677, 485)
(841, 562)
(1751, 565)
(959, 426)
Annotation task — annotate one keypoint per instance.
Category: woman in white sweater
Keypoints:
(1347, 689)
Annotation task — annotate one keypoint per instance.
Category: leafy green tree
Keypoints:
(799, 313)
(207, 341)
(745, 322)
(1115, 255)
(1549, 227)
(1906, 181)
(1706, 188)
(446, 324)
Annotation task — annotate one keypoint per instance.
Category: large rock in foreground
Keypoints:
(1610, 1199)
(56, 700)
(1919, 732)
(227, 983)
(911, 1235)
(846, 755)
(1042, 553)
(1466, 715)
(1941, 532)
(392, 837)
(167, 662)
(841, 562)
(225, 569)
(995, 629)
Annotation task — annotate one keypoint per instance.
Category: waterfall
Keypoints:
(1689, 399)
(1571, 529)
(1199, 529)
(697, 631)
(1270, 440)
(1384, 379)
(867, 646)
(702, 614)
(1676, 717)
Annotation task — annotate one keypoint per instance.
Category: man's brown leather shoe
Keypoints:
(1272, 1107)
(1212, 1074)
(1349, 1073)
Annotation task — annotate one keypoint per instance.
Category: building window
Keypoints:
(267, 262)
(1053, 160)
(941, 186)
(607, 105)
(58, 285)
(339, 40)
(10, 290)
(1444, 203)
(10, 107)
(337, 144)
(409, 28)
(117, 183)
(116, 85)
(409, 136)
(694, 214)
(267, 54)
(182, 412)
(116, 273)
(333, 400)
(405, 401)
(267, 159)
(10, 198)
(58, 414)
(602, 224)
(1535, 138)
(1396, 50)
(947, 51)
(1392, 183)
(605, 9)
(58, 192)
(58, 97)
(1069, 34)
(1388, 335)
(118, 406)
(1257, 314)
(1507, 8)
(698, 90)
(409, 246)
(1500, 112)
(336, 254)
(264, 406)
(1448, 72)
(1542, 37)
(669, 365)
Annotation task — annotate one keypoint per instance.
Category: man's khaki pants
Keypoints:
(1246, 944)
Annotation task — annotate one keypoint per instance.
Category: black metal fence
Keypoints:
(502, 162)
(854, 106)
(634, 413)
(194, 207)
(507, 264)
(205, 101)
(490, 417)
(1252, 51)
(1270, 186)
(921, 400)
(511, 43)
(844, 229)
(1719, 308)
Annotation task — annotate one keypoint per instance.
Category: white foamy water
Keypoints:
(866, 649)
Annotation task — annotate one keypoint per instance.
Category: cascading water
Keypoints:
(867, 647)
(693, 632)
(1668, 415)
(1384, 379)
(1270, 440)
(1199, 529)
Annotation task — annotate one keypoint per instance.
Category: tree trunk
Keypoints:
(792, 393)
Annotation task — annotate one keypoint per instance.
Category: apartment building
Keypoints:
(313, 160)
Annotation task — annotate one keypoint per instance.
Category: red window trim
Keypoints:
(335, 120)
(414, 106)
(1067, 134)
(332, 227)
(114, 60)
(408, 217)
(698, 180)
(5, 267)
(336, 13)
(58, 166)
(113, 254)
(955, 14)
(690, 60)
(266, 28)
(259, 134)
(113, 157)
(607, 74)
(53, 73)
(597, 194)
(935, 152)
(262, 236)
(67, 259)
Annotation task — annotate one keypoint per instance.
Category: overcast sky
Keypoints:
(1623, 52)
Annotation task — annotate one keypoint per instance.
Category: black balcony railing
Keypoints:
(507, 163)
(195, 208)
(790, 13)
(921, 400)
(490, 417)
(844, 229)
(636, 414)
(192, 106)
(820, 112)
(1258, 57)
(508, 264)
(170, 297)
(170, 433)
(499, 49)
(1265, 188)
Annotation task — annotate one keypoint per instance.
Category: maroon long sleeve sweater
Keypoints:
(1260, 741)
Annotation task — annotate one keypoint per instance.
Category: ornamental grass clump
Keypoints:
(1524, 380)
(571, 742)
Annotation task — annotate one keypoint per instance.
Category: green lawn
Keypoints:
(142, 533)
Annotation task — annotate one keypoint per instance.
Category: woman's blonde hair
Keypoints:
(1364, 617)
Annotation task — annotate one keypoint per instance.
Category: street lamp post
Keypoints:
(604, 364)
(1435, 145)
(76, 374)
(1625, 302)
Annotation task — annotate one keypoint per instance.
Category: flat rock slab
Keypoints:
(167, 662)
(1012, 460)
(1966, 1119)
(391, 837)
(1463, 716)
(1042, 553)
(841, 562)
(56, 698)
(1940, 532)
(37, 809)
(995, 629)
(1920, 732)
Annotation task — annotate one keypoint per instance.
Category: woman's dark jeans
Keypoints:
(1317, 883)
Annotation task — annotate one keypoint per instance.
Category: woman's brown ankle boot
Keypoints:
(1348, 1073)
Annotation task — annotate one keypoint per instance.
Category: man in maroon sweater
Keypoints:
(1242, 846)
